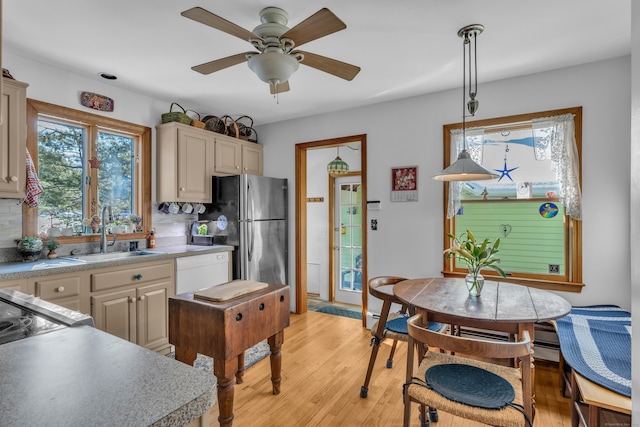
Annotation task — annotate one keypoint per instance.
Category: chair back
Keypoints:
(382, 287)
(469, 346)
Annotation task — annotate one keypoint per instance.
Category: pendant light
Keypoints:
(464, 168)
(338, 166)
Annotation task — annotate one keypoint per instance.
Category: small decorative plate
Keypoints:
(96, 101)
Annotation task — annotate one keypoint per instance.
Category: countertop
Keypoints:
(42, 267)
(80, 376)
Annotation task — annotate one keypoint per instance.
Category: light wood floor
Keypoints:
(324, 361)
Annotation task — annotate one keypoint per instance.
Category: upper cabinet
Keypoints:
(14, 139)
(235, 156)
(187, 157)
(183, 154)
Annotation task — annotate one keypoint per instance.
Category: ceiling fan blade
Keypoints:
(207, 18)
(282, 87)
(328, 65)
(221, 64)
(320, 24)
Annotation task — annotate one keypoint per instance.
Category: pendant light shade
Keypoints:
(338, 166)
(464, 168)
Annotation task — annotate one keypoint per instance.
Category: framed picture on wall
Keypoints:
(404, 184)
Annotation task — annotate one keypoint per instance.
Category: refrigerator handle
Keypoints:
(251, 232)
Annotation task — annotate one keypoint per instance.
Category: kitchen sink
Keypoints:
(109, 256)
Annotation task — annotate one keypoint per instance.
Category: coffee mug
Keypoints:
(187, 208)
(174, 208)
(163, 207)
(199, 208)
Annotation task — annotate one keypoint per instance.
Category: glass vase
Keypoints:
(474, 284)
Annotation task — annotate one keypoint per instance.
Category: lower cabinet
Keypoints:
(128, 301)
(132, 303)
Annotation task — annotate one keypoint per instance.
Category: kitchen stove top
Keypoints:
(23, 316)
(17, 323)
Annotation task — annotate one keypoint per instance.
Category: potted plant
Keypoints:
(30, 248)
(477, 255)
(52, 245)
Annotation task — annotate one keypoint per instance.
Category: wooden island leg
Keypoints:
(185, 355)
(275, 344)
(240, 373)
(225, 371)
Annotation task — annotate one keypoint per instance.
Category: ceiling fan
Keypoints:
(275, 59)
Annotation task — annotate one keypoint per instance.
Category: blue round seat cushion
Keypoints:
(470, 385)
(399, 325)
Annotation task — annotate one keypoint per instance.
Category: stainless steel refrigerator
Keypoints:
(250, 213)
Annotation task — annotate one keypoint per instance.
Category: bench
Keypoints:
(581, 332)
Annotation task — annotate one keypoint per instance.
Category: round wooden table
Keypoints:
(504, 307)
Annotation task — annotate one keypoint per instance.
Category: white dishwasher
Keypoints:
(197, 272)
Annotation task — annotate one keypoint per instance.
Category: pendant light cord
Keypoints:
(464, 92)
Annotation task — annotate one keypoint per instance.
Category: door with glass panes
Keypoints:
(348, 240)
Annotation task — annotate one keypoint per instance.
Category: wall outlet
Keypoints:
(554, 269)
(374, 224)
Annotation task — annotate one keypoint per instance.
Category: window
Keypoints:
(84, 162)
(531, 206)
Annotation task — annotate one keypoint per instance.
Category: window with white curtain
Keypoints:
(533, 207)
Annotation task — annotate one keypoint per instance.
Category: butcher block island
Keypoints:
(224, 321)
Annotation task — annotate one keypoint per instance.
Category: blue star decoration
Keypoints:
(505, 172)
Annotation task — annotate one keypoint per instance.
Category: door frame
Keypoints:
(301, 214)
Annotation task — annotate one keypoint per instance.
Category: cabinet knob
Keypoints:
(14, 179)
(245, 168)
(132, 300)
(60, 289)
(237, 167)
(141, 298)
(182, 189)
(138, 276)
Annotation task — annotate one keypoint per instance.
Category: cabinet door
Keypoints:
(228, 156)
(13, 139)
(153, 314)
(194, 182)
(115, 313)
(252, 158)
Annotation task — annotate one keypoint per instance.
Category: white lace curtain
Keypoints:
(553, 139)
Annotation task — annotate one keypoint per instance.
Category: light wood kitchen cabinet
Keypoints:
(132, 302)
(183, 158)
(69, 290)
(19, 285)
(13, 139)
(235, 156)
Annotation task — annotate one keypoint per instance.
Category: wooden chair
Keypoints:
(520, 379)
(382, 287)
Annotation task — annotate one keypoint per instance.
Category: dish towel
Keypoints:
(33, 188)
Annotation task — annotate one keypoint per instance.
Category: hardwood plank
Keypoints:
(324, 361)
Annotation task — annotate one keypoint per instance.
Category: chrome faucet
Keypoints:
(103, 235)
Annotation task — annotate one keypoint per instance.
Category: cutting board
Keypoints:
(229, 291)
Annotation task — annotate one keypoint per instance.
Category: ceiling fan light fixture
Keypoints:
(273, 67)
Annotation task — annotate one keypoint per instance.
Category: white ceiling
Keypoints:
(405, 47)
